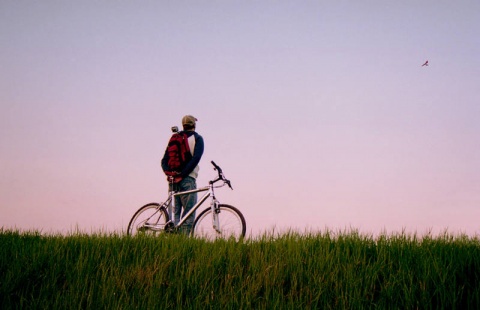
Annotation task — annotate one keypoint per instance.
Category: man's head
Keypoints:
(188, 122)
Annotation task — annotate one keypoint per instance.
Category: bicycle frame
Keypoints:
(209, 193)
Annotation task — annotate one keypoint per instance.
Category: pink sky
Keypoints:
(318, 111)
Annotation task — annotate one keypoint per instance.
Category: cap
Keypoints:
(189, 120)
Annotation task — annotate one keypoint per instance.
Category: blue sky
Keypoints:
(318, 111)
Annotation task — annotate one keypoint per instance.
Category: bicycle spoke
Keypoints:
(228, 223)
(150, 219)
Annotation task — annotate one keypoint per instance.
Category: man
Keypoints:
(187, 175)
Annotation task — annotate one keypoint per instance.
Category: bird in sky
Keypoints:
(425, 64)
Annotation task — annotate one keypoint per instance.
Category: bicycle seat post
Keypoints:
(171, 191)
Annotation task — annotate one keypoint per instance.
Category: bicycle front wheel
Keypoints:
(230, 224)
(148, 220)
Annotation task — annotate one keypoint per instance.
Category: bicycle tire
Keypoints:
(231, 220)
(149, 220)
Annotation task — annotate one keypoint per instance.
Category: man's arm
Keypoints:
(165, 161)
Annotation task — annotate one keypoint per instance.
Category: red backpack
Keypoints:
(178, 151)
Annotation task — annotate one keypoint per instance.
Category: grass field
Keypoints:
(290, 271)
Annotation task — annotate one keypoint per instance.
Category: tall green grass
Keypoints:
(290, 271)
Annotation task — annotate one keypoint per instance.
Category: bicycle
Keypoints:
(217, 221)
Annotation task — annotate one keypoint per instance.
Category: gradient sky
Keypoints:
(318, 111)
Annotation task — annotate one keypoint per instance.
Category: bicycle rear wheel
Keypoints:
(230, 219)
(149, 220)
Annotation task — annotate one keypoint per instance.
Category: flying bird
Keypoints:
(425, 64)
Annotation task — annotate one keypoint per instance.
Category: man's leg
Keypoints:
(177, 209)
(188, 201)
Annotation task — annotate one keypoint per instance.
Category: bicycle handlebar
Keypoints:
(221, 176)
(216, 167)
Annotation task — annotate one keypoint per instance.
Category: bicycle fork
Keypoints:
(215, 211)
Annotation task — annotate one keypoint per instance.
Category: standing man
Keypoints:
(185, 177)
